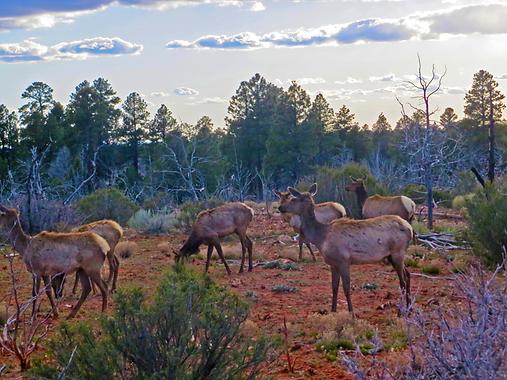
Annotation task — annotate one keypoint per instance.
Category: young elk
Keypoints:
(112, 233)
(378, 205)
(48, 254)
(324, 212)
(345, 242)
(213, 224)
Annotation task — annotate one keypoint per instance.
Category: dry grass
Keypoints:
(165, 248)
(126, 249)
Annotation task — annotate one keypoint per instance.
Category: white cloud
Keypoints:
(501, 76)
(385, 78)
(257, 6)
(29, 50)
(185, 91)
(479, 19)
(306, 81)
(159, 94)
(349, 80)
(210, 100)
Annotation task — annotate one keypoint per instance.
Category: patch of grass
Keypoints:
(126, 249)
(412, 263)
(251, 295)
(420, 228)
(457, 270)
(431, 269)
(279, 264)
(283, 289)
(369, 286)
(397, 338)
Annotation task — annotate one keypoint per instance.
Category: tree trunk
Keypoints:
(136, 157)
(492, 143)
(429, 199)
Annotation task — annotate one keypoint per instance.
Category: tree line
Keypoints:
(273, 138)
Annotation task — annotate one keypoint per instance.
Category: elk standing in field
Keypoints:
(346, 242)
(324, 212)
(378, 205)
(48, 254)
(213, 224)
(112, 233)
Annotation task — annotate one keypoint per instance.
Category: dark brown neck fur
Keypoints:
(361, 196)
(311, 228)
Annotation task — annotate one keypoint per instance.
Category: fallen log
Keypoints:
(441, 241)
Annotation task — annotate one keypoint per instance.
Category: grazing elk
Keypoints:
(213, 224)
(345, 242)
(378, 205)
(48, 254)
(324, 212)
(112, 233)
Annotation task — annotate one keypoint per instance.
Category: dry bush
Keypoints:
(126, 249)
(165, 248)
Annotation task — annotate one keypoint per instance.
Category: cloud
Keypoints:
(306, 81)
(501, 76)
(159, 94)
(210, 100)
(33, 14)
(185, 91)
(349, 80)
(385, 78)
(470, 19)
(29, 50)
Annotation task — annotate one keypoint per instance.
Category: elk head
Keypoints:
(355, 185)
(8, 219)
(284, 196)
(299, 203)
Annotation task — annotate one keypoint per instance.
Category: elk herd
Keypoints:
(384, 232)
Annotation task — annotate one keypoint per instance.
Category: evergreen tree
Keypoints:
(34, 113)
(448, 118)
(321, 120)
(8, 136)
(381, 135)
(163, 123)
(134, 129)
(484, 104)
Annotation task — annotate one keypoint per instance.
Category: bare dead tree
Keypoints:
(431, 152)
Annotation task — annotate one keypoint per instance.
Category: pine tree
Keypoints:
(321, 120)
(8, 135)
(163, 123)
(134, 129)
(484, 104)
(448, 118)
(34, 113)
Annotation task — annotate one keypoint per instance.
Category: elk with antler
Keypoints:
(345, 242)
(216, 223)
(48, 254)
(378, 205)
(324, 212)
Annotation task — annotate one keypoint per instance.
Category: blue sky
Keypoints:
(192, 55)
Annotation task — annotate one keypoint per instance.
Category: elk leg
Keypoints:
(97, 279)
(115, 274)
(208, 257)
(335, 283)
(249, 246)
(35, 293)
(58, 283)
(311, 250)
(76, 280)
(300, 242)
(218, 247)
(345, 275)
(243, 251)
(403, 275)
(86, 288)
(49, 293)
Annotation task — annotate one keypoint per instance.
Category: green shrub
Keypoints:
(191, 330)
(331, 184)
(415, 192)
(431, 269)
(152, 222)
(279, 264)
(411, 263)
(107, 203)
(420, 228)
(487, 219)
(188, 211)
(283, 289)
(443, 198)
(459, 201)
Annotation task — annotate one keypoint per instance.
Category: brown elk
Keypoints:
(48, 254)
(324, 212)
(378, 205)
(216, 223)
(112, 233)
(345, 242)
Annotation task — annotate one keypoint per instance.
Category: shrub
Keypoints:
(412, 263)
(279, 264)
(107, 203)
(283, 289)
(459, 201)
(487, 218)
(191, 330)
(188, 211)
(152, 222)
(431, 269)
(415, 192)
(126, 249)
(443, 198)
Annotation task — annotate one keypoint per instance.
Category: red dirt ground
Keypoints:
(313, 296)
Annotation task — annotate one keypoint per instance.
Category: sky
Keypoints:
(192, 55)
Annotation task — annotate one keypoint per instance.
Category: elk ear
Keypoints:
(294, 192)
(313, 189)
(277, 193)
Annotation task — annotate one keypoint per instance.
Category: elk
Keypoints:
(216, 223)
(345, 242)
(112, 233)
(378, 205)
(324, 212)
(48, 254)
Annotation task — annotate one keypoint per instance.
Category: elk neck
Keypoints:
(311, 228)
(361, 196)
(18, 238)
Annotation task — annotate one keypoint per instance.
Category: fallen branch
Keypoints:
(441, 241)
